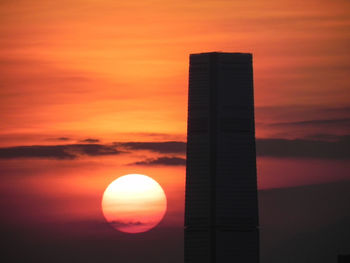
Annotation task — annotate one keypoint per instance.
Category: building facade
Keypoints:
(221, 209)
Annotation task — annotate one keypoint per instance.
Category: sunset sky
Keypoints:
(91, 90)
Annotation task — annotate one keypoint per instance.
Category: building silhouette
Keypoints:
(344, 258)
(221, 214)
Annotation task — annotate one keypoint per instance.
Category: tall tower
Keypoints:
(221, 214)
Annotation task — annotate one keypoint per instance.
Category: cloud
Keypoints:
(303, 148)
(60, 152)
(343, 121)
(169, 161)
(160, 147)
(63, 139)
(117, 223)
(323, 137)
(318, 147)
(90, 140)
(321, 146)
(307, 112)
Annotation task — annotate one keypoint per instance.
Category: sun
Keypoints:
(134, 203)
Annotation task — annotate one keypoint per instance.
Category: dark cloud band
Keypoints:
(301, 148)
(160, 147)
(168, 161)
(337, 149)
(60, 152)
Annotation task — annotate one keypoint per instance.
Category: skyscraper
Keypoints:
(221, 214)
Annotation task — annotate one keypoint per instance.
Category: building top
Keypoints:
(235, 57)
(224, 53)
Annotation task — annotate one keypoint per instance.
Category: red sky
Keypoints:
(117, 71)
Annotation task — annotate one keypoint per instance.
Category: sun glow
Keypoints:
(134, 203)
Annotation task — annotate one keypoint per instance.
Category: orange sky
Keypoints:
(97, 68)
(118, 71)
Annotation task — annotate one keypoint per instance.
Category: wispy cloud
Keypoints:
(321, 146)
(62, 139)
(302, 112)
(324, 147)
(160, 147)
(58, 139)
(168, 161)
(60, 152)
(304, 148)
(90, 140)
(342, 121)
(118, 223)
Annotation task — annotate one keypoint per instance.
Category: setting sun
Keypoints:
(134, 203)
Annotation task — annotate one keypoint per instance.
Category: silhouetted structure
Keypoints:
(343, 258)
(221, 215)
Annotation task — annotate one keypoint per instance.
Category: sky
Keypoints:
(93, 90)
